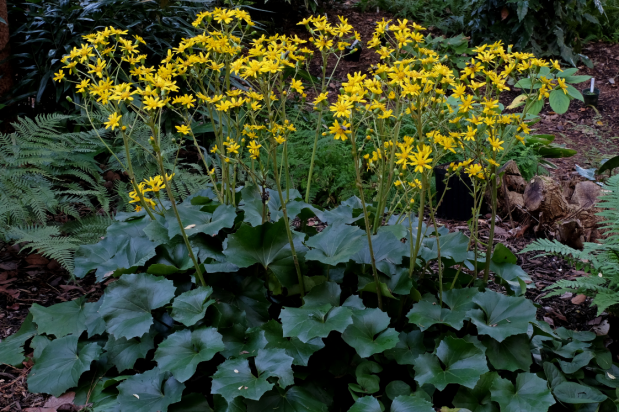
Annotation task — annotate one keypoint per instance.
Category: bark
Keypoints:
(6, 75)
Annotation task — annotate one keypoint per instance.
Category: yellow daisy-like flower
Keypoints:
(495, 143)
(320, 98)
(340, 131)
(341, 108)
(156, 183)
(113, 121)
(59, 76)
(421, 159)
(183, 129)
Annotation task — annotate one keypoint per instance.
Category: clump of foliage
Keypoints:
(43, 31)
(599, 260)
(221, 301)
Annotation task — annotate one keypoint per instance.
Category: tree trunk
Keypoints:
(6, 75)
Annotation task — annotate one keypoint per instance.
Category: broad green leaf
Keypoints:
(182, 351)
(325, 293)
(193, 402)
(577, 79)
(295, 399)
(385, 247)
(411, 404)
(578, 362)
(113, 254)
(221, 405)
(572, 392)
(368, 382)
(128, 228)
(369, 333)
(567, 72)
(397, 388)
(38, 343)
(241, 342)
(370, 287)
(553, 374)
(267, 245)
(609, 377)
(299, 351)
(452, 246)
(123, 353)
(574, 93)
(570, 349)
(150, 391)
(171, 258)
(196, 221)
(366, 404)
(529, 394)
(127, 303)
(477, 399)
(234, 377)
(335, 244)
(60, 365)
(511, 354)
(559, 101)
(60, 319)
(410, 345)
(309, 323)
(583, 336)
(425, 313)
(536, 106)
(156, 230)
(342, 215)
(463, 362)
(12, 347)
(191, 306)
(253, 206)
(501, 316)
(95, 324)
(242, 294)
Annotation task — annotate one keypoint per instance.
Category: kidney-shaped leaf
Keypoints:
(366, 404)
(479, 398)
(530, 394)
(318, 321)
(196, 221)
(191, 306)
(298, 350)
(150, 391)
(127, 303)
(464, 363)
(572, 392)
(410, 345)
(12, 347)
(60, 365)
(369, 333)
(512, 354)
(123, 353)
(335, 244)
(411, 404)
(501, 316)
(428, 313)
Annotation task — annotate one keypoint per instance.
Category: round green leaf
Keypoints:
(64, 318)
(299, 351)
(191, 306)
(426, 313)
(397, 388)
(123, 353)
(511, 354)
(385, 247)
(60, 365)
(242, 342)
(410, 345)
(335, 244)
(150, 391)
(529, 394)
(196, 221)
(477, 399)
(411, 404)
(127, 303)
(463, 362)
(182, 351)
(12, 347)
(295, 399)
(559, 101)
(366, 404)
(501, 316)
(310, 323)
(369, 333)
(572, 392)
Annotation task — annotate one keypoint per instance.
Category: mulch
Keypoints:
(29, 279)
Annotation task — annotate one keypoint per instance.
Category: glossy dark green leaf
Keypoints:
(95, 325)
(579, 361)
(572, 392)
(182, 351)
(463, 363)
(193, 402)
(397, 388)
(528, 394)
(477, 399)
(411, 404)
(268, 246)
(427, 313)
(123, 353)
(275, 362)
(150, 391)
(253, 206)
(12, 347)
(342, 214)
(242, 342)
(196, 221)
(242, 294)
(501, 316)
(366, 404)
(171, 258)
(60, 365)
(309, 323)
(511, 354)
(127, 303)
(553, 374)
(299, 351)
(385, 246)
(369, 333)
(295, 399)
(191, 306)
(335, 244)
(410, 345)
(452, 246)
(60, 319)
(325, 293)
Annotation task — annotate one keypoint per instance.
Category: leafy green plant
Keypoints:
(248, 342)
(43, 31)
(600, 260)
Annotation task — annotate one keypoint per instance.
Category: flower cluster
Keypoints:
(151, 185)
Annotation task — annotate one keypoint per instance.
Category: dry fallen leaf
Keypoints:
(578, 300)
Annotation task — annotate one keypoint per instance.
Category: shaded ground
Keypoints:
(25, 280)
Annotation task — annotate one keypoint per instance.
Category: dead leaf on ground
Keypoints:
(36, 259)
(579, 299)
(602, 329)
(549, 321)
(505, 13)
(8, 265)
(53, 404)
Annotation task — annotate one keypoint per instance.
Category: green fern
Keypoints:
(600, 260)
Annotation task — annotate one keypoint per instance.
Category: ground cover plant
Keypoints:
(227, 300)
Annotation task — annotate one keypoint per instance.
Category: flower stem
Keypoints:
(487, 264)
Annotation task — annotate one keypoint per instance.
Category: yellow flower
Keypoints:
(340, 131)
(113, 121)
(152, 103)
(495, 143)
(280, 139)
(475, 171)
(420, 159)
(59, 76)
(183, 129)
(342, 108)
(562, 84)
(156, 183)
(233, 147)
(81, 88)
(492, 162)
(385, 115)
(556, 65)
